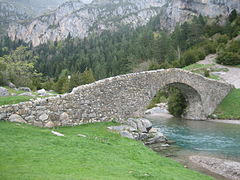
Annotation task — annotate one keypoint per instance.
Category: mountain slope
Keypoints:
(35, 7)
(79, 19)
(8, 14)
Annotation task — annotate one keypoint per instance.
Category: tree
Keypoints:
(87, 77)
(75, 80)
(232, 16)
(62, 85)
(19, 67)
(189, 57)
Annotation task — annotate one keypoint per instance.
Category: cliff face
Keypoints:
(178, 11)
(8, 14)
(79, 19)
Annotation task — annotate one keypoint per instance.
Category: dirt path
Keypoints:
(233, 74)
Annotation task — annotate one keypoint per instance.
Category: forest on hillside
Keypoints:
(65, 64)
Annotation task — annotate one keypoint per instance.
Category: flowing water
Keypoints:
(215, 139)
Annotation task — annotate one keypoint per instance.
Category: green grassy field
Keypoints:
(13, 99)
(32, 153)
(17, 99)
(197, 66)
(230, 106)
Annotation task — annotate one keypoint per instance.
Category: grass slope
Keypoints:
(4, 100)
(29, 153)
(230, 106)
(13, 99)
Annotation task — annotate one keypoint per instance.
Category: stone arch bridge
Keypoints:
(118, 98)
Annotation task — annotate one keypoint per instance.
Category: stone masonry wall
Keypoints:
(118, 98)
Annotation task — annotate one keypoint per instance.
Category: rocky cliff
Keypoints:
(8, 14)
(79, 19)
(178, 11)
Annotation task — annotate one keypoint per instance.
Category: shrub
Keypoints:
(222, 39)
(228, 58)
(200, 53)
(176, 103)
(189, 57)
(161, 96)
(210, 47)
(234, 47)
(176, 64)
(206, 73)
(154, 66)
(48, 84)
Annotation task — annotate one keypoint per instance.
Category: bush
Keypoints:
(154, 66)
(160, 97)
(222, 39)
(210, 47)
(200, 53)
(228, 58)
(176, 103)
(189, 57)
(48, 84)
(62, 85)
(234, 47)
(206, 73)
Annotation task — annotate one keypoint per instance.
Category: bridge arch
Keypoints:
(194, 106)
(121, 97)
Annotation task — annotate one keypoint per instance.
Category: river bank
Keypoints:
(89, 151)
(213, 142)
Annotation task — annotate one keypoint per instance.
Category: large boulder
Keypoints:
(3, 116)
(156, 137)
(151, 137)
(140, 129)
(27, 89)
(42, 92)
(11, 85)
(4, 92)
(126, 134)
(141, 124)
(16, 118)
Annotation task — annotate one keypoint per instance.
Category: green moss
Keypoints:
(28, 152)
(229, 107)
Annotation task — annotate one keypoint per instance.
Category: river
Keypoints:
(221, 140)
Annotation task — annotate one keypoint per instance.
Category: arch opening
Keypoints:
(194, 108)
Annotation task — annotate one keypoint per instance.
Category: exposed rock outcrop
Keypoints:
(140, 129)
(27, 89)
(4, 92)
(9, 14)
(78, 19)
